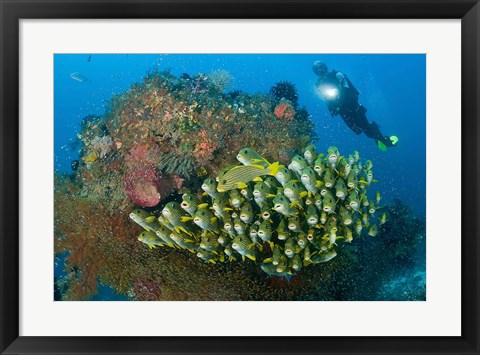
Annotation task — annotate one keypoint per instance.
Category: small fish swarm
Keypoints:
(328, 209)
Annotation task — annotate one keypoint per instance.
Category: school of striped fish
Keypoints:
(284, 218)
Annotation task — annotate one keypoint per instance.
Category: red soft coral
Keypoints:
(284, 110)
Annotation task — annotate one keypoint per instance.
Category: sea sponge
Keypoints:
(284, 110)
(145, 187)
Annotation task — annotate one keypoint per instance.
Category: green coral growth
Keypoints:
(283, 218)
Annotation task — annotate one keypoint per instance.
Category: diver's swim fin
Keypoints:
(381, 146)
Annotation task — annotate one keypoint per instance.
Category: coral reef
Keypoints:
(92, 238)
(403, 236)
(183, 126)
(143, 155)
(408, 287)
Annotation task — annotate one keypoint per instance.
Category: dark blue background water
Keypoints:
(392, 87)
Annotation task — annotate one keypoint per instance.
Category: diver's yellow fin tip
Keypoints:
(381, 146)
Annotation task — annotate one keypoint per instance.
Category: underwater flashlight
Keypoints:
(329, 92)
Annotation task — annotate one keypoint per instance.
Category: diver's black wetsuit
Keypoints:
(346, 105)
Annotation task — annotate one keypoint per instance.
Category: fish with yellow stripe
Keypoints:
(238, 176)
(282, 218)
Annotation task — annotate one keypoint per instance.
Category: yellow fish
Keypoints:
(90, 157)
(239, 176)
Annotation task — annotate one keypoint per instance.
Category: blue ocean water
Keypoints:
(392, 88)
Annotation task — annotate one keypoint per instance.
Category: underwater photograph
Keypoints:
(239, 177)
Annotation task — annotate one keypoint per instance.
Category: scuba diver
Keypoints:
(342, 99)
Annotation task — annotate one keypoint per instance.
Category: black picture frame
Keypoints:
(12, 11)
